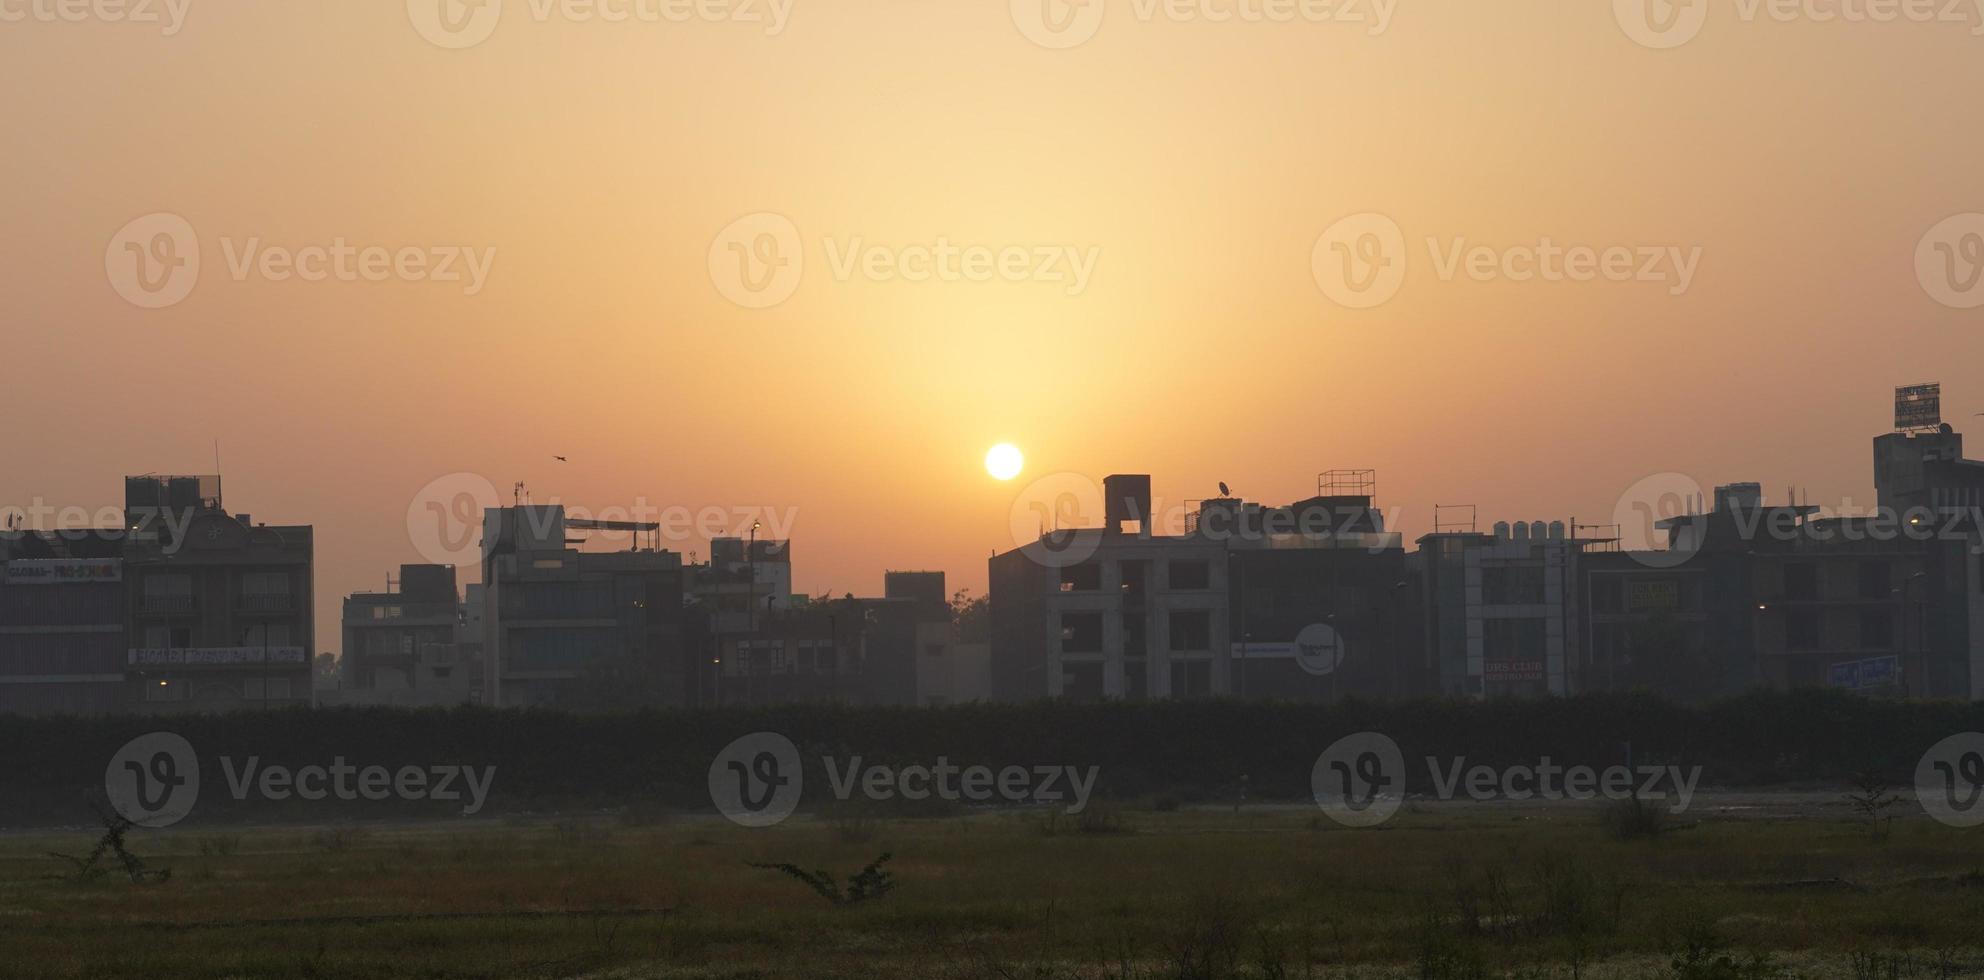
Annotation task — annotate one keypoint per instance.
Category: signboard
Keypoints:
(64, 571)
(1653, 596)
(1918, 406)
(1318, 649)
(1512, 670)
(1859, 675)
(216, 656)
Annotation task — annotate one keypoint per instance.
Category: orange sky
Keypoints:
(1198, 162)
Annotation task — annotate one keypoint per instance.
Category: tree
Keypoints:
(972, 617)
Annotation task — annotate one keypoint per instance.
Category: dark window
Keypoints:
(1191, 679)
(1877, 630)
(1081, 632)
(1512, 585)
(1801, 631)
(1133, 634)
(1191, 630)
(1085, 577)
(1191, 576)
(1875, 581)
(1607, 594)
(1801, 580)
(1134, 573)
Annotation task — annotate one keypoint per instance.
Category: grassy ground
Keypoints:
(1443, 892)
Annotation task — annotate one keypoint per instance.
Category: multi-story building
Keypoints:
(1501, 610)
(404, 646)
(1300, 601)
(567, 627)
(220, 608)
(62, 612)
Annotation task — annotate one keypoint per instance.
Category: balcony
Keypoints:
(166, 605)
(266, 603)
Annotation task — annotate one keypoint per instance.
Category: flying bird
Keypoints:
(561, 459)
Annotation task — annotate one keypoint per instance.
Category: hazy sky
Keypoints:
(1792, 164)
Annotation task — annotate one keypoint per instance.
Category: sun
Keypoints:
(1004, 461)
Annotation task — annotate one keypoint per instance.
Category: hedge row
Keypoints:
(548, 761)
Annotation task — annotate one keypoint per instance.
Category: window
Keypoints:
(265, 688)
(1801, 631)
(1085, 577)
(1191, 679)
(1191, 630)
(1877, 630)
(1607, 594)
(1512, 585)
(1134, 573)
(1875, 580)
(1190, 576)
(1801, 580)
(1081, 632)
(265, 583)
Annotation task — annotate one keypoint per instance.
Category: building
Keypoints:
(571, 628)
(1502, 610)
(62, 622)
(1299, 602)
(404, 646)
(220, 607)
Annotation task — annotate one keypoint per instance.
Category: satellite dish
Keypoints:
(1223, 491)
